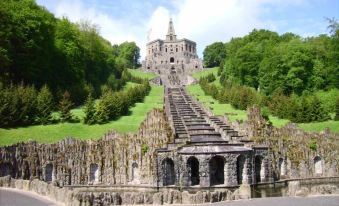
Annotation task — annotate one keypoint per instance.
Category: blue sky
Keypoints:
(204, 21)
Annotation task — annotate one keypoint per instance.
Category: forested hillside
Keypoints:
(289, 76)
(49, 64)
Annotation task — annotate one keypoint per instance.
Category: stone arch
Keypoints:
(216, 170)
(318, 168)
(49, 172)
(135, 172)
(240, 168)
(193, 170)
(258, 168)
(172, 60)
(168, 172)
(282, 167)
(94, 173)
(6, 169)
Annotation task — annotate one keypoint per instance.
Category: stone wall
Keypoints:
(114, 159)
(295, 153)
(83, 196)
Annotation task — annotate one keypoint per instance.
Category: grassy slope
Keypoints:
(234, 114)
(142, 74)
(55, 132)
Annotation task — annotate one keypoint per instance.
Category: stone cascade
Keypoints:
(205, 150)
(191, 123)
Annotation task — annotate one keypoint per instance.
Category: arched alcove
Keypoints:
(135, 172)
(240, 168)
(168, 172)
(216, 170)
(282, 166)
(258, 168)
(49, 172)
(193, 171)
(318, 168)
(172, 60)
(94, 173)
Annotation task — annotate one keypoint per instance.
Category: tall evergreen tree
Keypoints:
(89, 110)
(65, 106)
(45, 105)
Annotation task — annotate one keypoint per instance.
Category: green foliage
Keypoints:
(45, 105)
(214, 54)
(17, 105)
(287, 63)
(112, 105)
(65, 105)
(337, 110)
(37, 48)
(89, 110)
(129, 54)
(144, 149)
(313, 144)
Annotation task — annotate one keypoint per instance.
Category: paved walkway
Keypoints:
(15, 197)
(284, 201)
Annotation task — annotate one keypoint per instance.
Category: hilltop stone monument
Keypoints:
(174, 59)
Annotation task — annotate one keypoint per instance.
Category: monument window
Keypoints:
(168, 172)
(317, 165)
(258, 168)
(94, 173)
(216, 170)
(176, 49)
(193, 171)
(165, 49)
(49, 173)
(240, 168)
(172, 60)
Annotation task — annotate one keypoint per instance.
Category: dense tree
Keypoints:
(26, 42)
(214, 54)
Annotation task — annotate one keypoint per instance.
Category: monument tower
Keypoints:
(174, 59)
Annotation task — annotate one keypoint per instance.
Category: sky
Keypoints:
(203, 21)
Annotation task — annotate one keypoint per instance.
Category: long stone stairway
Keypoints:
(192, 124)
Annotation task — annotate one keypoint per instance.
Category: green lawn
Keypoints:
(142, 74)
(53, 133)
(205, 72)
(222, 109)
(235, 114)
(319, 126)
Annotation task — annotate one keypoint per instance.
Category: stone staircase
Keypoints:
(192, 124)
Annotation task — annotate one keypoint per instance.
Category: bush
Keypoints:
(337, 110)
(18, 105)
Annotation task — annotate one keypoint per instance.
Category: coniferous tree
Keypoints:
(65, 106)
(89, 110)
(45, 105)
